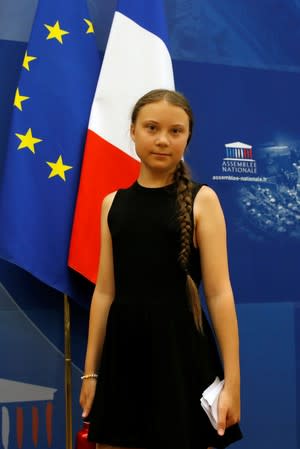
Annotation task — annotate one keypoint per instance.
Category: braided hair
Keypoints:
(183, 184)
(185, 219)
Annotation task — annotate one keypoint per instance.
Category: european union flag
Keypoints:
(51, 111)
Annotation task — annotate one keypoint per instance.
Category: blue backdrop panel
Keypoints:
(268, 362)
(40, 302)
(252, 34)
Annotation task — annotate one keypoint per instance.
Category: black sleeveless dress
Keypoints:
(155, 364)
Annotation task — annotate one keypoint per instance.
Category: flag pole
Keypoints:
(68, 373)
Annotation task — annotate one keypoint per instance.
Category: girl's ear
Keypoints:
(132, 131)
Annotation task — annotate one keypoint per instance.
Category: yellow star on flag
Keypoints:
(28, 141)
(27, 59)
(90, 26)
(19, 99)
(55, 32)
(58, 168)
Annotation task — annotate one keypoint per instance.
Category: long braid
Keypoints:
(185, 205)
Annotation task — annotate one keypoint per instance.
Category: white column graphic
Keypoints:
(12, 392)
(238, 150)
(5, 427)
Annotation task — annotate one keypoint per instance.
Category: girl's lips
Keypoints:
(160, 154)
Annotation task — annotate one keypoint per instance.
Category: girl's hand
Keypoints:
(87, 395)
(228, 409)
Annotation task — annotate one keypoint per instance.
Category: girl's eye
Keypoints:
(176, 130)
(151, 127)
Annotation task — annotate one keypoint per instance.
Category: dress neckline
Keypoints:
(140, 187)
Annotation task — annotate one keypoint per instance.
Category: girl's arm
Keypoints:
(210, 234)
(101, 301)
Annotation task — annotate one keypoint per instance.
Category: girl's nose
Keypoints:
(162, 139)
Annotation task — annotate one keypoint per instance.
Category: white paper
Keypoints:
(209, 400)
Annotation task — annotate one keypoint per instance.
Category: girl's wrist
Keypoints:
(232, 380)
(233, 386)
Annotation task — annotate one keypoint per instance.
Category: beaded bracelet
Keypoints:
(89, 376)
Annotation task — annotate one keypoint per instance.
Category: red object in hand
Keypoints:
(82, 441)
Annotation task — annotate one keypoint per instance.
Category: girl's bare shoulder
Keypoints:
(206, 198)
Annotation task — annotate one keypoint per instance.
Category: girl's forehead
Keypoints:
(162, 110)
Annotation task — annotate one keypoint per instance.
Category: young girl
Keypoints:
(151, 352)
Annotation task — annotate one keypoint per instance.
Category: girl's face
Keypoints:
(160, 133)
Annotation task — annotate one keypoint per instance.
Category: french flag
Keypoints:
(136, 60)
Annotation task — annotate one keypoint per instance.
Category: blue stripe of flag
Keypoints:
(148, 14)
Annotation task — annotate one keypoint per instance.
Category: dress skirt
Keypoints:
(155, 366)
